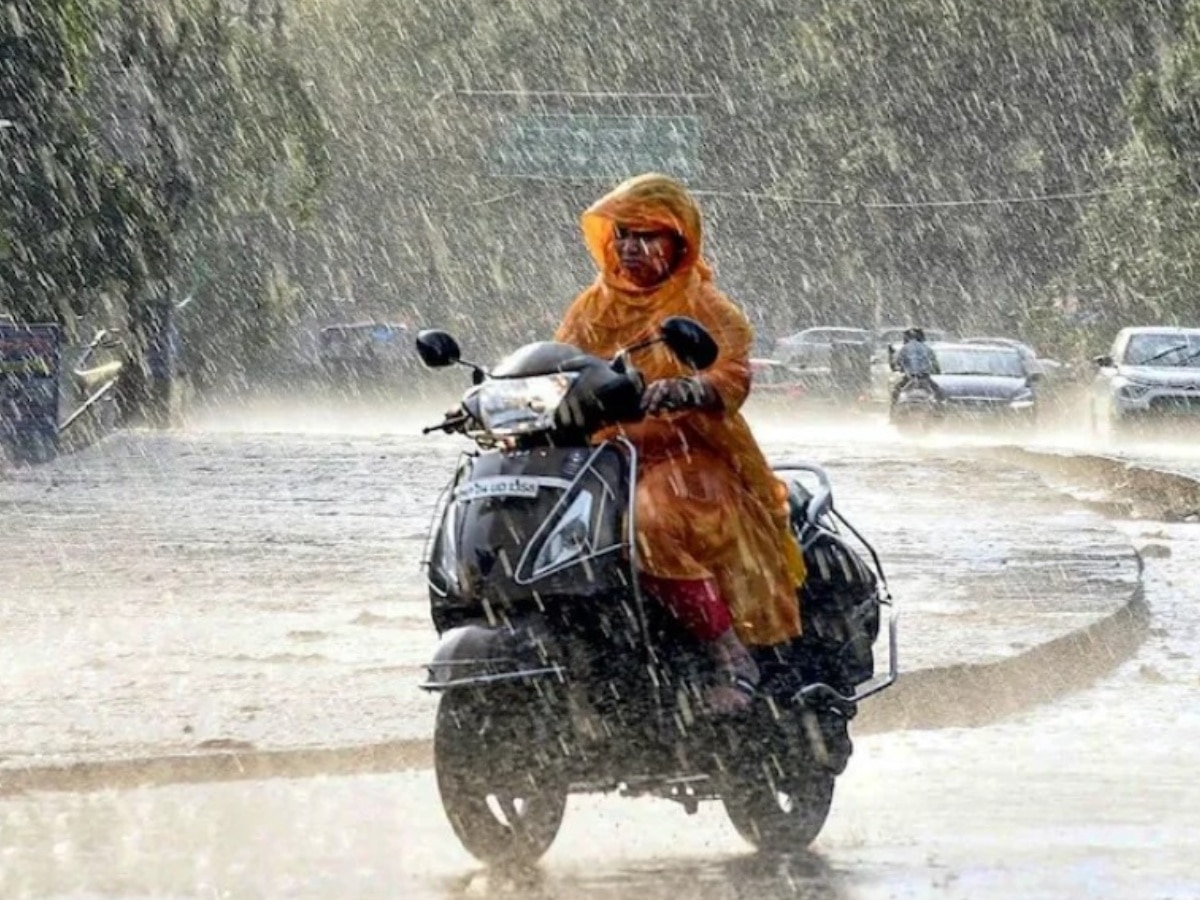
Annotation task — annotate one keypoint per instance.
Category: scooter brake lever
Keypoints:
(446, 424)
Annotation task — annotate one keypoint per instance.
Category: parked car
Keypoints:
(1034, 363)
(367, 348)
(774, 380)
(813, 347)
(889, 337)
(1151, 373)
(984, 384)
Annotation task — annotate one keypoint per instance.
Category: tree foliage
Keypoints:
(75, 220)
(146, 137)
(965, 162)
(940, 121)
(1140, 257)
(905, 119)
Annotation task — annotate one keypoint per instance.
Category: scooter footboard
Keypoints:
(477, 655)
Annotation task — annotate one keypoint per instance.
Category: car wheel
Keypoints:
(1119, 428)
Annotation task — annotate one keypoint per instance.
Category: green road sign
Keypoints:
(594, 146)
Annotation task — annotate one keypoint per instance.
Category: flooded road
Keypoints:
(1095, 796)
(229, 588)
(249, 585)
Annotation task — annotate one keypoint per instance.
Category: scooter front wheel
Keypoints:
(504, 803)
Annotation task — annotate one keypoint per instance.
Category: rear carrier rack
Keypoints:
(817, 525)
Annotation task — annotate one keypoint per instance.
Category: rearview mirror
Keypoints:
(689, 341)
(1104, 361)
(1033, 377)
(437, 349)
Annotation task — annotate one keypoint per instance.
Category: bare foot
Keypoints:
(725, 699)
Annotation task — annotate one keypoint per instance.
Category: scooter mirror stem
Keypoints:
(478, 372)
(620, 361)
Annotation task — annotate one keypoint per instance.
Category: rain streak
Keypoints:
(535, 449)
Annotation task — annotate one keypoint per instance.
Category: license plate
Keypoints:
(499, 486)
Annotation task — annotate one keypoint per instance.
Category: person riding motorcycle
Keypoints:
(917, 363)
(712, 522)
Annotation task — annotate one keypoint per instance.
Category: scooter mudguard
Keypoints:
(477, 655)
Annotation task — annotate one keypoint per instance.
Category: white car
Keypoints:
(813, 347)
(1150, 373)
(887, 337)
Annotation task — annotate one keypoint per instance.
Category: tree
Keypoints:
(921, 114)
(76, 222)
(1140, 258)
(145, 137)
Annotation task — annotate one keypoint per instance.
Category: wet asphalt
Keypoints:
(256, 585)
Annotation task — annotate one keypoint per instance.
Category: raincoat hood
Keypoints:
(645, 202)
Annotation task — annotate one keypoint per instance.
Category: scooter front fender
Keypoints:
(477, 655)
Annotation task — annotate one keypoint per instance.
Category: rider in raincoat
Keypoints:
(713, 536)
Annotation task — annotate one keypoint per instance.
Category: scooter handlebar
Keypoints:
(454, 421)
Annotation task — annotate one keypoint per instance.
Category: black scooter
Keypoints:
(557, 675)
(916, 407)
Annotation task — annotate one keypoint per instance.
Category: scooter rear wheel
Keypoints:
(504, 803)
(780, 813)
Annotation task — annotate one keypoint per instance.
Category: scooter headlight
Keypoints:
(510, 406)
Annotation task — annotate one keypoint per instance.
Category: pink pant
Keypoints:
(696, 603)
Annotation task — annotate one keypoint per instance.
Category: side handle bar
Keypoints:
(822, 500)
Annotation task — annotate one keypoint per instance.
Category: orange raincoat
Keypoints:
(708, 506)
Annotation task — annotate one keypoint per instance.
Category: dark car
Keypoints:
(367, 348)
(1034, 363)
(985, 383)
(1151, 374)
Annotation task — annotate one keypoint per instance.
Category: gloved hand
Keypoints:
(675, 394)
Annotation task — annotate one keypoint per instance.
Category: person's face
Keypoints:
(647, 257)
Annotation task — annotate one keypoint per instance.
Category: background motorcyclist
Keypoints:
(916, 362)
(712, 530)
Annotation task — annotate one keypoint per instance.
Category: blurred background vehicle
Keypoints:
(1151, 375)
(916, 408)
(1031, 359)
(773, 380)
(785, 386)
(984, 384)
(366, 349)
(893, 335)
(886, 342)
(813, 347)
(832, 364)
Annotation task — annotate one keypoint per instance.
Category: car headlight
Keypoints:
(1023, 400)
(1128, 388)
(522, 405)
